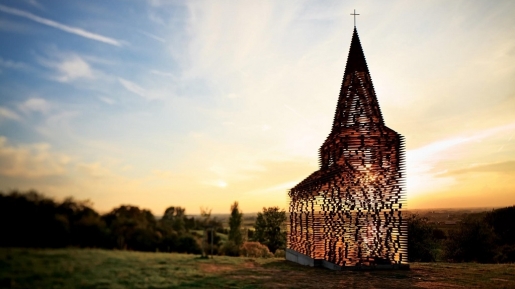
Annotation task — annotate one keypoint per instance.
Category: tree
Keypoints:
(174, 218)
(188, 244)
(29, 219)
(205, 214)
(235, 221)
(501, 220)
(422, 244)
(132, 228)
(268, 228)
(474, 240)
(235, 239)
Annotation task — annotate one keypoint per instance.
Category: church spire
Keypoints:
(356, 59)
(357, 103)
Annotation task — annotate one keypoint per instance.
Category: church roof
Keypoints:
(356, 59)
(357, 103)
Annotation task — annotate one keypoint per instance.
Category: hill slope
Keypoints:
(91, 268)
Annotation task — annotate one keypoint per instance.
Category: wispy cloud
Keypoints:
(162, 73)
(155, 37)
(430, 163)
(35, 3)
(30, 161)
(95, 170)
(34, 104)
(275, 189)
(70, 29)
(72, 68)
(136, 89)
(431, 151)
(501, 167)
(69, 67)
(107, 100)
(12, 64)
(6, 113)
(133, 87)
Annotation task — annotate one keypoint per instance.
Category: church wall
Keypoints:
(349, 212)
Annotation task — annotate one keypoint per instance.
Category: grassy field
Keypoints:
(76, 268)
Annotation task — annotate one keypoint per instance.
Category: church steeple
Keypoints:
(356, 59)
(349, 211)
(357, 103)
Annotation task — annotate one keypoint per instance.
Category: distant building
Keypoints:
(349, 212)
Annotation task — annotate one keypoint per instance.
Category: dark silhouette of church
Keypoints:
(348, 214)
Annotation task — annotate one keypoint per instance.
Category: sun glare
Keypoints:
(222, 184)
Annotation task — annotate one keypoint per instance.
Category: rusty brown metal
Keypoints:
(349, 212)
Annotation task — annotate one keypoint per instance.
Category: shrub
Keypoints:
(422, 244)
(230, 248)
(506, 254)
(255, 250)
(280, 253)
(188, 244)
(501, 220)
(269, 228)
(472, 241)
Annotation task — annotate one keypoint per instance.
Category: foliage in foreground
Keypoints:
(487, 237)
(268, 228)
(32, 220)
(255, 250)
(235, 221)
(422, 243)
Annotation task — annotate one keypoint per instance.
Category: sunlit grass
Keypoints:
(91, 268)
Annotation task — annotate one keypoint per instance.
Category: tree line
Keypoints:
(486, 237)
(29, 219)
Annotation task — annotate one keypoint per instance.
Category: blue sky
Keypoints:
(201, 103)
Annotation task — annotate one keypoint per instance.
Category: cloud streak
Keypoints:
(155, 37)
(8, 114)
(30, 161)
(138, 90)
(423, 163)
(70, 29)
(132, 87)
(431, 151)
(34, 104)
(13, 64)
(502, 167)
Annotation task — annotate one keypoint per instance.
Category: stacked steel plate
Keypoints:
(349, 212)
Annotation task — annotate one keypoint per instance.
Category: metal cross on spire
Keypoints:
(354, 14)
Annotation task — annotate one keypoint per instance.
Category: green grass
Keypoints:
(76, 268)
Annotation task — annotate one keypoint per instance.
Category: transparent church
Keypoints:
(349, 213)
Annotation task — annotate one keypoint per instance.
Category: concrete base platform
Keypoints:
(302, 259)
(305, 260)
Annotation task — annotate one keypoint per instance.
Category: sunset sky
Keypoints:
(202, 103)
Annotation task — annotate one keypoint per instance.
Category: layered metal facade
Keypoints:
(349, 212)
